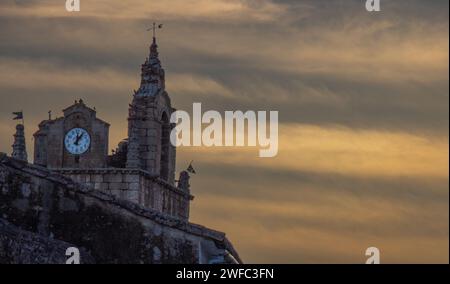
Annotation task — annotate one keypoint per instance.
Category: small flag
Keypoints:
(160, 26)
(18, 115)
(191, 168)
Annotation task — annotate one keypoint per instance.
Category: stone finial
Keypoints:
(183, 182)
(19, 148)
(152, 74)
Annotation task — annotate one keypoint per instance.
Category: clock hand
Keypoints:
(77, 139)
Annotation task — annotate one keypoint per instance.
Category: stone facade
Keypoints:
(48, 208)
(49, 147)
(137, 186)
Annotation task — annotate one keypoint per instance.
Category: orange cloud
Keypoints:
(344, 151)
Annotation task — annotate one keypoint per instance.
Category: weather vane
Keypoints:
(190, 168)
(155, 26)
(19, 115)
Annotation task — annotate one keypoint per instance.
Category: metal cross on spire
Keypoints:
(155, 26)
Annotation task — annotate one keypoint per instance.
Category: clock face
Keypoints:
(77, 141)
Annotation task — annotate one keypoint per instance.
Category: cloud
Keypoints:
(343, 151)
(331, 193)
(295, 222)
(392, 74)
(212, 10)
(50, 77)
(197, 85)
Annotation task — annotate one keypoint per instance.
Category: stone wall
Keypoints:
(18, 246)
(112, 230)
(136, 186)
(149, 146)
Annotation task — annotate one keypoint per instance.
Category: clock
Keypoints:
(77, 141)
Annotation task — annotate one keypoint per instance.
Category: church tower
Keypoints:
(149, 126)
(141, 169)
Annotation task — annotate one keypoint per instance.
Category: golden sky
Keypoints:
(362, 100)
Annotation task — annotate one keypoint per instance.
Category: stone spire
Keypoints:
(149, 126)
(19, 149)
(152, 74)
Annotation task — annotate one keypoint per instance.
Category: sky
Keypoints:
(363, 102)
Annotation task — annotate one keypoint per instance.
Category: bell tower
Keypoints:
(149, 126)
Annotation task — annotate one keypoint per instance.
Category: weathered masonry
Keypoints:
(43, 213)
